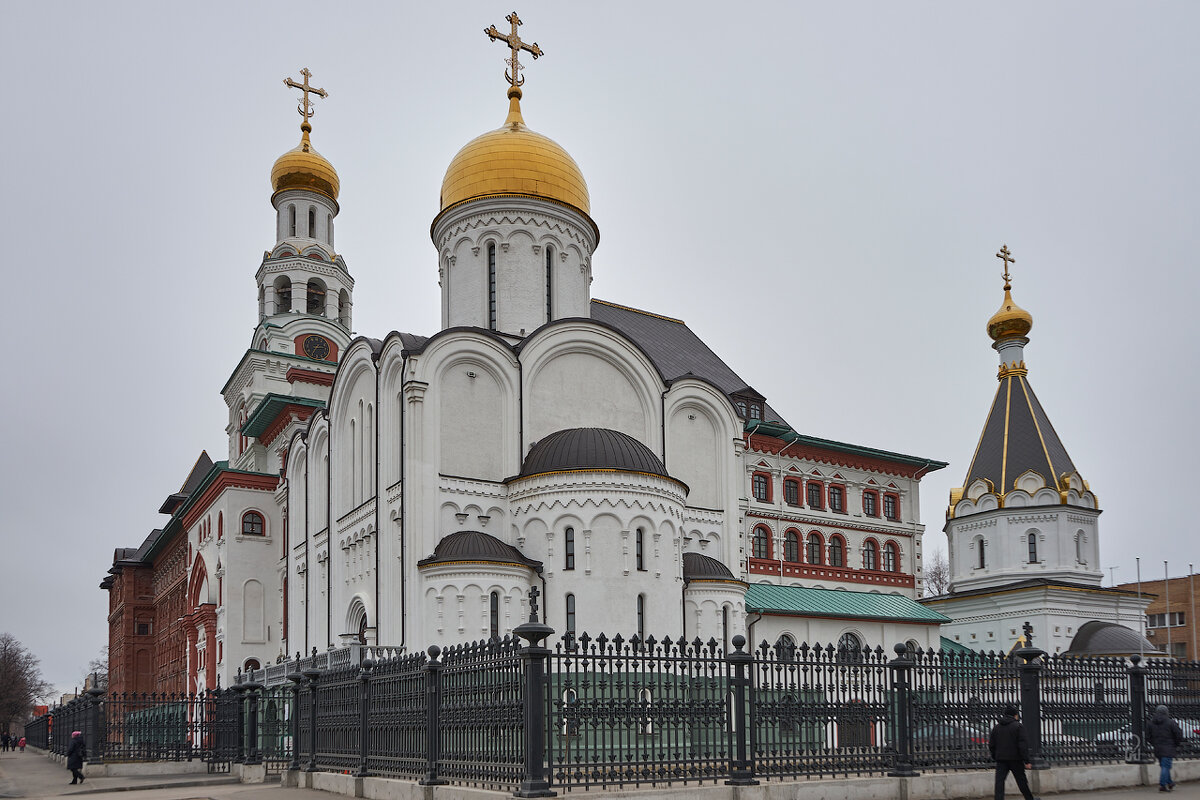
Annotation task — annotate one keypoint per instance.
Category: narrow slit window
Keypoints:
(570, 624)
(569, 552)
(494, 615)
(312, 222)
(291, 220)
(491, 255)
(549, 284)
(641, 550)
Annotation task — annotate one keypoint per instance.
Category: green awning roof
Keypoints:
(270, 408)
(798, 601)
(950, 646)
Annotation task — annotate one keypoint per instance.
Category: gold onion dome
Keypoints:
(305, 168)
(1011, 320)
(513, 160)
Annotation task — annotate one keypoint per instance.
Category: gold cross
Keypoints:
(305, 107)
(513, 41)
(1006, 256)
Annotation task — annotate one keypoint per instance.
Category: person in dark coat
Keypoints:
(76, 753)
(1010, 751)
(1164, 735)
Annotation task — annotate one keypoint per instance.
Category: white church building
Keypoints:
(411, 489)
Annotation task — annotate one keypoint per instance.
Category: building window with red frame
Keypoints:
(837, 498)
(253, 524)
(760, 484)
(791, 492)
(871, 504)
(815, 494)
(814, 548)
(870, 554)
(791, 546)
(891, 507)
(837, 551)
(761, 543)
(891, 557)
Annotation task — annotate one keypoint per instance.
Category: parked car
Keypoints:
(1120, 743)
(949, 744)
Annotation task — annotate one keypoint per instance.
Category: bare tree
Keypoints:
(937, 574)
(21, 682)
(97, 670)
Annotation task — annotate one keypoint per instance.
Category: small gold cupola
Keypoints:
(1011, 320)
(303, 167)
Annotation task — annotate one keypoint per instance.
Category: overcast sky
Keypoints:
(816, 189)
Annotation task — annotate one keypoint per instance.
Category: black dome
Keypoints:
(696, 566)
(476, 546)
(591, 448)
(1097, 638)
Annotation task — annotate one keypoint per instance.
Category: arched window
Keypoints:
(640, 544)
(837, 552)
(569, 551)
(725, 627)
(891, 557)
(291, 220)
(491, 267)
(870, 554)
(494, 615)
(312, 222)
(329, 229)
(1032, 539)
(791, 546)
(761, 543)
(362, 629)
(570, 623)
(1079, 558)
(283, 295)
(814, 548)
(549, 284)
(252, 524)
(641, 617)
(251, 664)
(785, 648)
(849, 648)
(344, 308)
(982, 563)
(315, 297)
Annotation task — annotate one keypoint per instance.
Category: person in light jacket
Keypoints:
(1164, 735)
(76, 753)
(1010, 751)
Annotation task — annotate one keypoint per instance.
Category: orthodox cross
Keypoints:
(1007, 258)
(533, 592)
(1027, 629)
(513, 41)
(305, 107)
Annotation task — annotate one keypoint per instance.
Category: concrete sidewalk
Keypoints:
(33, 775)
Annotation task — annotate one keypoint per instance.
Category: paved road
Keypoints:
(31, 775)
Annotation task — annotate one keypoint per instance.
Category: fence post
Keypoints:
(239, 689)
(296, 678)
(95, 745)
(1031, 697)
(313, 675)
(364, 716)
(254, 754)
(901, 668)
(433, 725)
(741, 766)
(1139, 753)
(533, 654)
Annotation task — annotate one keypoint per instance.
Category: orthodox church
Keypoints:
(1023, 531)
(412, 489)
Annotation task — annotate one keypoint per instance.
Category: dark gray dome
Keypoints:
(1097, 638)
(696, 566)
(477, 546)
(591, 448)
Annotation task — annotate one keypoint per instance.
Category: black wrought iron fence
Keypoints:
(595, 712)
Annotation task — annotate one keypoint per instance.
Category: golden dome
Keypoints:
(305, 168)
(1011, 320)
(514, 160)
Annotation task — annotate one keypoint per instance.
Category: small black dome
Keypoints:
(696, 566)
(476, 546)
(1097, 638)
(591, 448)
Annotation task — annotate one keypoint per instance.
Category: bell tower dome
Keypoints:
(514, 232)
(1024, 511)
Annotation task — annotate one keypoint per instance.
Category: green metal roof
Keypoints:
(951, 646)
(269, 409)
(804, 602)
(782, 431)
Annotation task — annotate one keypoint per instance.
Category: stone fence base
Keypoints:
(928, 786)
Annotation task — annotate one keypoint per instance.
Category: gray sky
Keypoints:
(817, 189)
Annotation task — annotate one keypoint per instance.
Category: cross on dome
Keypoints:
(305, 106)
(1006, 256)
(513, 40)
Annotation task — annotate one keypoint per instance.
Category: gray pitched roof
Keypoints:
(673, 347)
(1018, 437)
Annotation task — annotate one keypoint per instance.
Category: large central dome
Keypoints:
(514, 160)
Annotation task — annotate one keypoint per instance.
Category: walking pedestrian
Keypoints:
(76, 753)
(1164, 735)
(21, 744)
(4, 742)
(1010, 751)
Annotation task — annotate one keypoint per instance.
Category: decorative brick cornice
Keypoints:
(228, 480)
(764, 443)
(289, 414)
(792, 569)
(301, 375)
